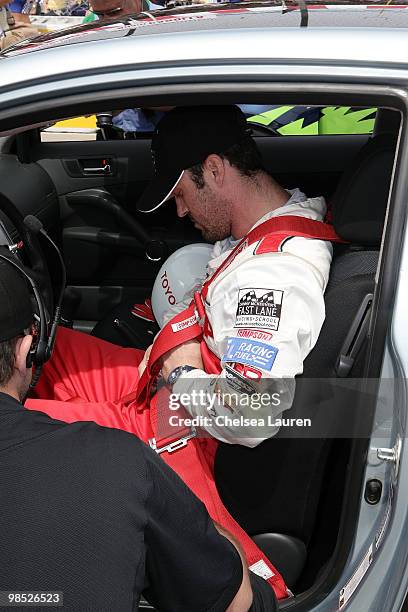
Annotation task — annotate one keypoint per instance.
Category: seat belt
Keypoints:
(357, 334)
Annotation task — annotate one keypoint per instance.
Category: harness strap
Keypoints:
(283, 227)
(188, 324)
(193, 460)
(186, 327)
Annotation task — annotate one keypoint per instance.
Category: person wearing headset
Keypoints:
(91, 516)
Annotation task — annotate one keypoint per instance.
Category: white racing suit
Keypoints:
(265, 313)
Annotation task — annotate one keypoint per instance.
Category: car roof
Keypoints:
(355, 35)
(239, 15)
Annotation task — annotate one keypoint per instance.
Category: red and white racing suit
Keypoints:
(264, 313)
(267, 294)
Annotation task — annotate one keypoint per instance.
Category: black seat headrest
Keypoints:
(360, 201)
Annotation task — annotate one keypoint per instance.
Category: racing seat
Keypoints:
(283, 491)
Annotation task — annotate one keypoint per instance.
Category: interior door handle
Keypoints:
(103, 170)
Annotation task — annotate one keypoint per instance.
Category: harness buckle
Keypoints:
(199, 308)
(175, 445)
(199, 320)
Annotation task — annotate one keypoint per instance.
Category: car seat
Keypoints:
(276, 489)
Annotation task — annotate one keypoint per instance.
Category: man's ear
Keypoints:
(22, 349)
(214, 167)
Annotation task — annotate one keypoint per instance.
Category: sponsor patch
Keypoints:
(259, 308)
(165, 283)
(254, 333)
(247, 371)
(176, 327)
(251, 353)
(236, 381)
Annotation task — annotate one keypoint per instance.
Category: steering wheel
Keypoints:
(34, 262)
(155, 249)
(262, 130)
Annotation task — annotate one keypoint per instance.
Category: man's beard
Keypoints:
(217, 223)
(24, 387)
(213, 234)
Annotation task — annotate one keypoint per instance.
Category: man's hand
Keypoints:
(244, 597)
(186, 354)
(143, 363)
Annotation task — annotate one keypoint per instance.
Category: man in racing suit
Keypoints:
(265, 310)
(254, 321)
(264, 316)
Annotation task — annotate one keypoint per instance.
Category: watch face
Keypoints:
(173, 376)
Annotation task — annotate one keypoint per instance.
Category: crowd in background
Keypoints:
(15, 24)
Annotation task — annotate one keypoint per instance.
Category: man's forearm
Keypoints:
(229, 415)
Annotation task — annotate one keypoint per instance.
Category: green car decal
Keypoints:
(301, 120)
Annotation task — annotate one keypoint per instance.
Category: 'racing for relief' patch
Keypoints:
(250, 352)
(259, 308)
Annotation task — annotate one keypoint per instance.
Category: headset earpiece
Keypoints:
(39, 352)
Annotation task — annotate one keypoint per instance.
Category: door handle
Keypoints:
(102, 170)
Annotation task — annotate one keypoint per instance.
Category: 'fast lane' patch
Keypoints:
(250, 352)
(259, 308)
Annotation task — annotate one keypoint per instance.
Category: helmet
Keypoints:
(184, 269)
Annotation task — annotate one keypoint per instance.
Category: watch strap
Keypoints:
(177, 372)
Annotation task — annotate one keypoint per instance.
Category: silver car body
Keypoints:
(204, 54)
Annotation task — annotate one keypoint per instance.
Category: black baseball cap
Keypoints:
(185, 137)
(16, 311)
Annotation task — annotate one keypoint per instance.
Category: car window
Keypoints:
(71, 130)
(266, 120)
(311, 120)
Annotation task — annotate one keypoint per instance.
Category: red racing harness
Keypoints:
(190, 456)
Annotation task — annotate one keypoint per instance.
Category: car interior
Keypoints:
(291, 493)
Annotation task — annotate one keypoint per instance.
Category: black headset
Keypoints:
(42, 344)
(46, 328)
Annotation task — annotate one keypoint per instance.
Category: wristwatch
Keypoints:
(177, 372)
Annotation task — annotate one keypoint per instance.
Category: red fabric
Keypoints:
(195, 466)
(163, 342)
(106, 395)
(89, 379)
(86, 380)
(144, 311)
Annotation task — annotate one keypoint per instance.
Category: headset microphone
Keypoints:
(36, 227)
